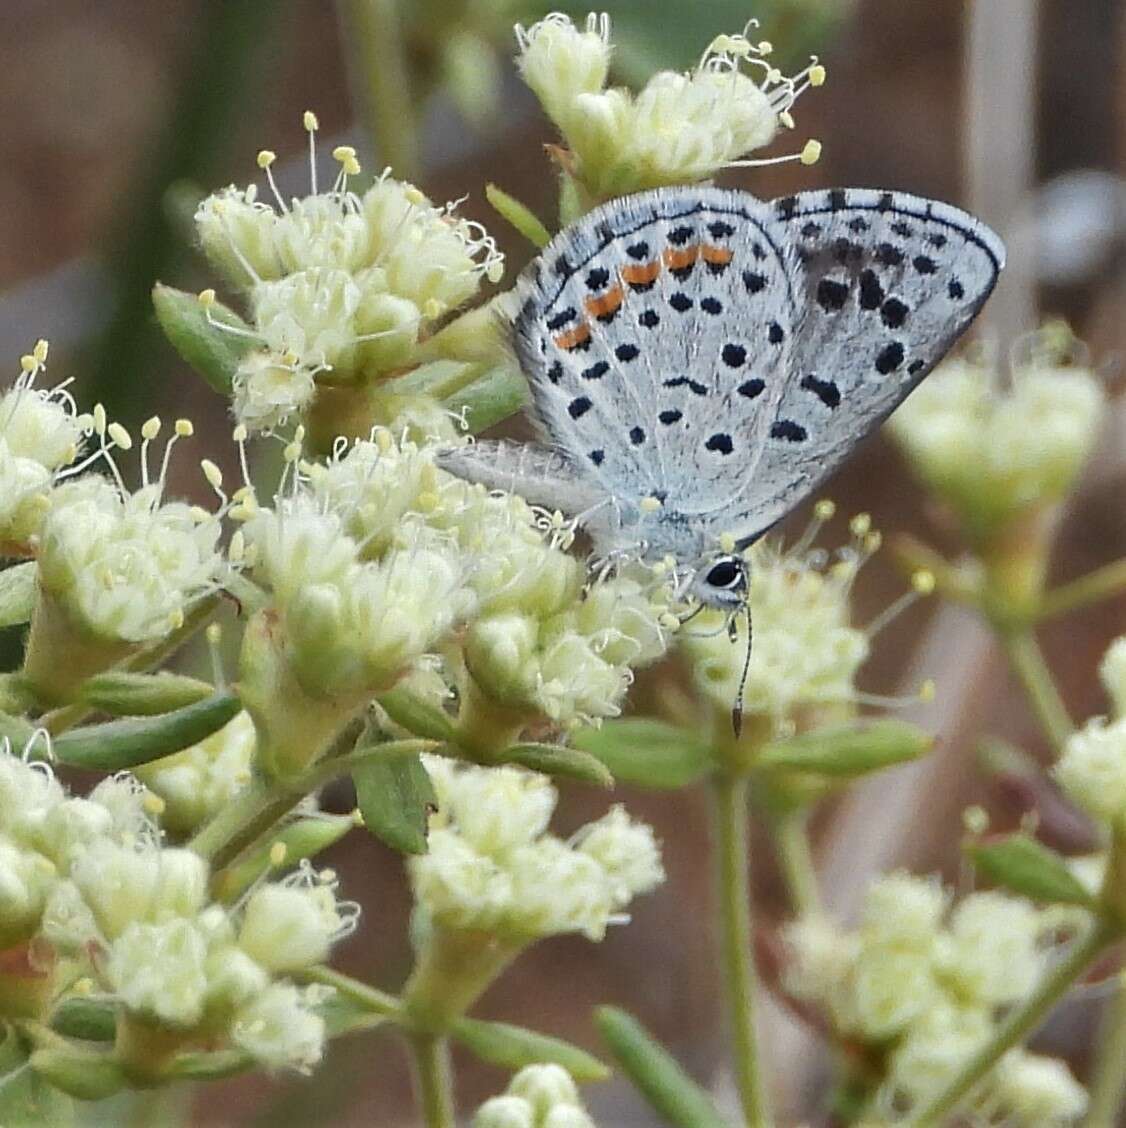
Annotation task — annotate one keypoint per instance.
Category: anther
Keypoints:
(150, 428)
(212, 473)
(278, 852)
(120, 436)
(816, 75)
(309, 121)
(207, 297)
(184, 428)
(811, 153)
(825, 509)
(265, 158)
(923, 581)
(99, 419)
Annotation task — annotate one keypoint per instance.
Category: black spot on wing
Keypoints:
(902, 229)
(811, 230)
(871, 292)
(578, 407)
(886, 202)
(786, 207)
(888, 255)
(555, 372)
(825, 390)
(597, 456)
(894, 313)
(597, 278)
(678, 236)
(788, 430)
(754, 281)
(889, 358)
(637, 436)
(668, 418)
(831, 295)
(649, 319)
(720, 443)
(638, 251)
(627, 352)
(734, 355)
(712, 306)
(694, 386)
(956, 290)
(596, 371)
(924, 264)
(720, 229)
(916, 366)
(751, 388)
(562, 318)
(681, 302)
(858, 225)
(838, 199)
(775, 334)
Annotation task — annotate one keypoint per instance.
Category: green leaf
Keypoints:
(125, 744)
(89, 1075)
(417, 715)
(655, 1073)
(395, 797)
(501, 392)
(17, 593)
(1022, 864)
(91, 1020)
(121, 693)
(559, 760)
(25, 1097)
(846, 751)
(213, 352)
(519, 215)
(302, 839)
(647, 752)
(513, 1047)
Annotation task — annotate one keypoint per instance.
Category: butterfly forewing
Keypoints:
(887, 283)
(655, 334)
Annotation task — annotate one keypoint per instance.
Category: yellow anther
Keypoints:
(299, 433)
(327, 876)
(292, 452)
(414, 195)
(40, 350)
(176, 619)
(99, 419)
(212, 473)
(787, 119)
(343, 152)
(237, 549)
(765, 47)
(214, 632)
(184, 428)
(290, 358)
(923, 581)
(649, 504)
(773, 76)
(153, 804)
(120, 436)
(239, 434)
(266, 157)
(825, 509)
(811, 153)
(207, 297)
(199, 515)
(873, 541)
(28, 363)
(383, 441)
(860, 525)
(83, 986)
(278, 852)
(150, 428)
(309, 121)
(975, 819)
(817, 75)
(432, 308)
(727, 542)
(927, 690)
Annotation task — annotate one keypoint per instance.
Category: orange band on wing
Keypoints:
(720, 256)
(642, 274)
(610, 302)
(574, 337)
(679, 259)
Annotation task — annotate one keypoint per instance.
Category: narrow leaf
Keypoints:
(559, 760)
(1022, 864)
(25, 1097)
(513, 1047)
(89, 1075)
(17, 593)
(848, 750)
(122, 693)
(215, 353)
(395, 797)
(655, 1073)
(519, 215)
(647, 752)
(417, 715)
(125, 744)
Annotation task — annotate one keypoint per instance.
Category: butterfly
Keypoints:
(700, 360)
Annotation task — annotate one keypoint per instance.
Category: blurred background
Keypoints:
(118, 116)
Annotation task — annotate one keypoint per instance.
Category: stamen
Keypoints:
(265, 162)
(309, 120)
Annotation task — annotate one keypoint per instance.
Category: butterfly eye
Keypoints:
(725, 573)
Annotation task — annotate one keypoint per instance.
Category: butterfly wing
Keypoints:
(655, 334)
(886, 283)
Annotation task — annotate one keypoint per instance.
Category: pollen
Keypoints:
(99, 419)
(787, 119)
(239, 434)
(40, 350)
(153, 803)
(278, 853)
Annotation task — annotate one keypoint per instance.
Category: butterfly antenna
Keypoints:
(737, 708)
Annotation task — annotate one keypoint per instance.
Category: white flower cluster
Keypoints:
(376, 554)
(680, 128)
(993, 449)
(40, 434)
(539, 1096)
(91, 879)
(806, 652)
(491, 865)
(929, 984)
(341, 287)
(1092, 769)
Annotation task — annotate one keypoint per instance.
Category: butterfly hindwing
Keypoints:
(887, 282)
(655, 334)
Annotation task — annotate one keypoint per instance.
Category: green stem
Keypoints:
(241, 823)
(433, 1077)
(1100, 584)
(791, 838)
(1109, 1079)
(732, 856)
(1019, 1024)
(378, 1002)
(381, 78)
(1027, 661)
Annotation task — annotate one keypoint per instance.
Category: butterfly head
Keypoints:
(721, 582)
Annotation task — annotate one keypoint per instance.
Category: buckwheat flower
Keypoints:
(201, 780)
(124, 798)
(806, 651)
(1092, 769)
(539, 1096)
(892, 987)
(125, 566)
(29, 792)
(290, 925)
(279, 1029)
(159, 970)
(505, 1112)
(933, 1050)
(903, 910)
(1034, 1091)
(993, 451)
(325, 231)
(69, 827)
(575, 682)
(626, 850)
(237, 233)
(559, 62)
(495, 811)
(993, 956)
(820, 957)
(545, 1087)
(1112, 673)
(67, 923)
(26, 881)
(268, 388)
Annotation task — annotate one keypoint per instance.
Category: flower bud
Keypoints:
(559, 62)
(1092, 769)
(158, 970)
(1030, 1091)
(544, 1087)
(627, 851)
(505, 1112)
(285, 928)
(26, 879)
(268, 389)
(500, 652)
(278, 1029)
(237, 236)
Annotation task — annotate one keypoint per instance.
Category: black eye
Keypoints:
(725, 574)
